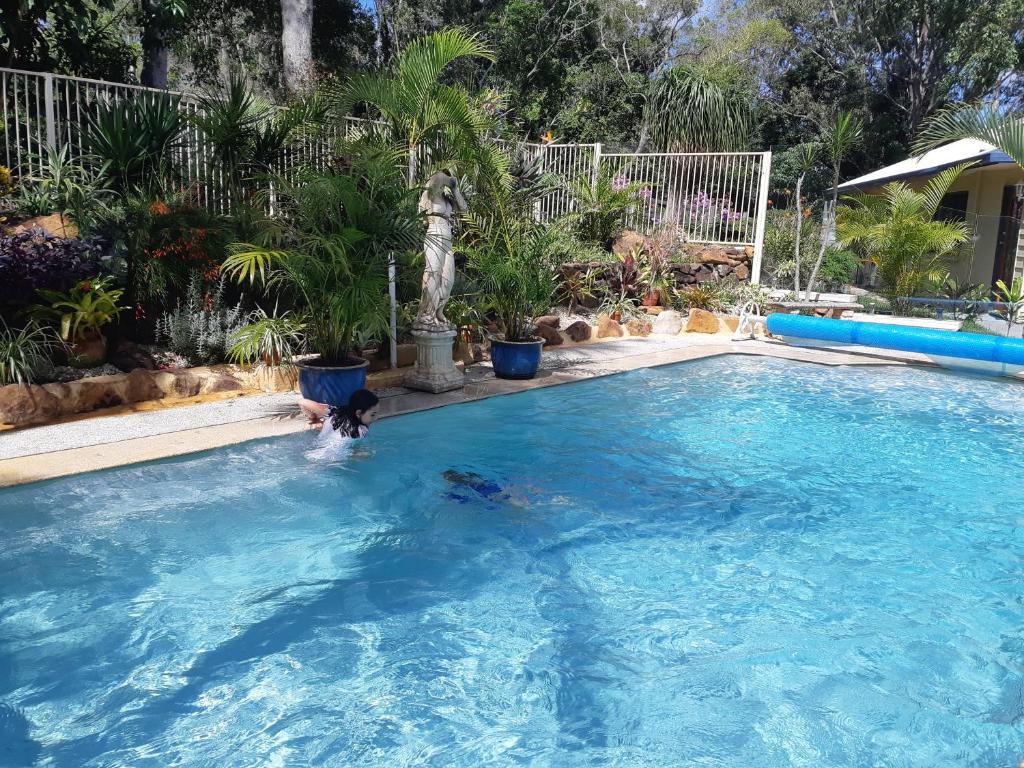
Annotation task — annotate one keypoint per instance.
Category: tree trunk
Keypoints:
(154, 60)
(799, 227)
(297, 42)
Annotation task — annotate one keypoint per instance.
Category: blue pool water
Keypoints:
(735, 562)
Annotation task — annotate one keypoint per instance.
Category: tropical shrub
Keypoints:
(203, 329)
(267, 339)
(82, 310)
(330, 252)
(779, 255)
(897, 232)
(24, 352)
(838, 267)
(511, 258)
(133, 142)
(601, 207)
(708, 296)
(34, 260)
(1013, 296)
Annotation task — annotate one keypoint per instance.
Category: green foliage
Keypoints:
(332, 246)
(778, 257)
(268, 339)
(510, 257)
(987, 123)
(84, 309)
(203, 329)
(896, 231)
(838, 268)
(1013, 296)
(718, 115)
(25, 351)
(601, 207)
(133, 143)
(709, 296)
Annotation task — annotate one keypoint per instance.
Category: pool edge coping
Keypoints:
(40, 467)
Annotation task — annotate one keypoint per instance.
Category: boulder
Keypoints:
(701, 321)
(748, 251)
(628, 242)
(128, 356)
(551, 336)
(607, 328)
(639, 326)
(669, 322)
(94, 393)
(52, 224)
(177, 383)
(27, 404)
(551, 321)
(579, 331)
(140, 386)
(742, 272)
(220, 382)
(713, 256)
(732, 322)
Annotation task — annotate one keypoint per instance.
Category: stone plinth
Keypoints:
(435, 370)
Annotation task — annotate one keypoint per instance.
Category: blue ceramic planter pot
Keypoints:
(333, 385)
(515, 359)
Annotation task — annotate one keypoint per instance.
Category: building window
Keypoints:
(953, 207)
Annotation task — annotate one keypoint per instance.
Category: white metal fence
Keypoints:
(714, 198)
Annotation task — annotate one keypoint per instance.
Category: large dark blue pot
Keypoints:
(515, 359)
(333, 385)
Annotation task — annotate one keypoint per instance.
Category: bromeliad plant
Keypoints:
(330, 248)
(82, 312)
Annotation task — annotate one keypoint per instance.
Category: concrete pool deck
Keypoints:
(44, 452)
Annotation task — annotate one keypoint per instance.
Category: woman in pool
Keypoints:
(352, 421)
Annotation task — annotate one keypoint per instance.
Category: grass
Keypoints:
(973, 326)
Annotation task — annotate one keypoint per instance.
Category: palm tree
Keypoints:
(898, 233)
(967, 121)
(842, 136)
(694, 110)
(807, 156)
(437, 125)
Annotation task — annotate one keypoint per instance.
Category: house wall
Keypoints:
(984, 187)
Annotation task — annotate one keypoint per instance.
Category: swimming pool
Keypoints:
(738, 561)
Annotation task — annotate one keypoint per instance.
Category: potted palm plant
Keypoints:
(331, 253)
(510, 255)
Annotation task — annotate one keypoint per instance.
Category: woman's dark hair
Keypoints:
(344, 420)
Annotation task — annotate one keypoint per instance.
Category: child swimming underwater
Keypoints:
(341, 425)
(468, 487)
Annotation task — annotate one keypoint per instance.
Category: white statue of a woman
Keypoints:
(440, 200)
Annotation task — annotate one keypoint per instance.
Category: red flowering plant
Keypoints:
(182, 241)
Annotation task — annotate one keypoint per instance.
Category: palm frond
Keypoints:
(968, 121)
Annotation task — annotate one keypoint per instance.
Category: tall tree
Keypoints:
(160, 22)
(296, 42)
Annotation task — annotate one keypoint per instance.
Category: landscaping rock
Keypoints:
(742, 272)
(27, 404)
(128, 356)
(220, 382)
(552, 338)
(669, 322)
(748, 251)
(628, 242)
(639, 326)
(579, 331)
(607, 328)
(552, 321)
(701, 321)
(140, 387)
(714, 256)
(732, 322)
(176, 383)
(52, 225)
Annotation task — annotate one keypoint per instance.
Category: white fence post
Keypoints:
(597, 163)
(761, 214)
(51, 121)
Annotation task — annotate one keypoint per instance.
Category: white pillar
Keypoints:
(762, 214)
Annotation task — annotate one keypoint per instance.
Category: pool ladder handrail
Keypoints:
(749, 316)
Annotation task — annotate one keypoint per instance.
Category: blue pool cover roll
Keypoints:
(928, 341)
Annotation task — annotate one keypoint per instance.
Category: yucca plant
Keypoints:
(898, 233)
(332, 249)
(24, 351)
(133, 142)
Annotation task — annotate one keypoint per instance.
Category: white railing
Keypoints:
(714, 198)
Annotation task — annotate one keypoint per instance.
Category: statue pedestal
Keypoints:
(435, 370)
